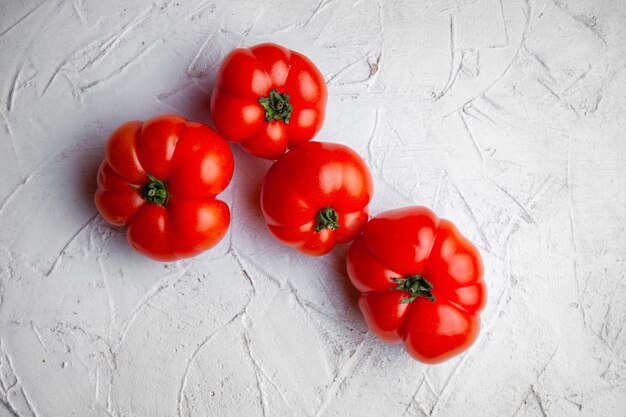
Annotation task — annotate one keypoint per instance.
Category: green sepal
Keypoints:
(326, 218)
(155, 191)
(416, 285)
(276, 106)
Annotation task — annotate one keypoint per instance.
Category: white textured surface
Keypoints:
(505, 116)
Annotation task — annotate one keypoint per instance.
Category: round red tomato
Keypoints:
(315, 196)
(420, 282)
(160, 178)
(268, 98)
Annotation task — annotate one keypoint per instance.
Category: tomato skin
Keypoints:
(308, 179)
(248, 74)
(411, 241)
(195, 164)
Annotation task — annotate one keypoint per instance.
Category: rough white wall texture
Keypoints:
(505, 116)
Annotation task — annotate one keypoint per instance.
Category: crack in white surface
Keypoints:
(13, 396)
(20, 20)
(340, 377)
(71, 240)
(257, 368)
(190, 361)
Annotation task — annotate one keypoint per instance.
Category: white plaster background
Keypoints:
(505, 116)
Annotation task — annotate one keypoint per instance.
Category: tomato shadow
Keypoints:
(84, 160)
(247, 181)
(337, 259)
(191, 98)
(85, 156)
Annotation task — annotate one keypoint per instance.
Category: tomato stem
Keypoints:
(326, 218)
(276, 106)
(155, 191)
(416, 285)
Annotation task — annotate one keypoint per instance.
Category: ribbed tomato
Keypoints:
(316, 195)
(421, 283)
(160, 178)
(268, 98)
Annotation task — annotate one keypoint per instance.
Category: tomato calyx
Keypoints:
(155, 191)
(276, 106)
(326, 218)
(416, 285)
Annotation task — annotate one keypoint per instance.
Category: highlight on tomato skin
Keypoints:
(421, 283)
(268, 99)
(160, 178)
(316, 196)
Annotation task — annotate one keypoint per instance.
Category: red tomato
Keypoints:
(420, 282)
(160, 178)
(316, 196)
(268, 98)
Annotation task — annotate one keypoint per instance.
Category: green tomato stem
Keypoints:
(155, 191)
(416, 285)
(276, 106)
(326, 218)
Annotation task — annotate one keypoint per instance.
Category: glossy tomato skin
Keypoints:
(193, 162)
(248, 74)
(408, 242)
(309, 178)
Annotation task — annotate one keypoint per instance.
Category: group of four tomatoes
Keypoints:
(420, 280)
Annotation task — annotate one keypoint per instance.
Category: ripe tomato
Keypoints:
(315, 196)
(160, 178)
(420, 282)
(268, 98)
